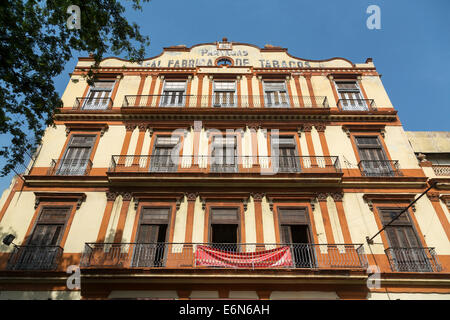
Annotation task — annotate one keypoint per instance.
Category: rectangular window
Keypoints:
(76, 158)
(99, 95)
(350, 96)
(275, 94)
(161, 158)
(151, 239)
(373, 159)
(285, 148)
(42, 249)
(294, 230)
(224, 154)
(173, 94)
(406, 251)
(224, 230)
(224, 94)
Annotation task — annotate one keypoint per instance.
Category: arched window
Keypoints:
(224, 62)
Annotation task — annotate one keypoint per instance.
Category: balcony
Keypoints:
(224, 255)
(236, 164)
(70, 167)
(356, 105)
(413, 259)
(34, 258)
(92, 104)
(441, 170)
(220, 101)
(379, 168)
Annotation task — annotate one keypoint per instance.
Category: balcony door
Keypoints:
(99, 96)
(224, 228)
(373, 158)
(295, 232)
(405, 248)
(173, 94)
(224, 94)
(285, 148)
(161, 158)
(42, 248)
(224, 154)
(275, 94)
(151, 242)
(76, 157)
(350, 96)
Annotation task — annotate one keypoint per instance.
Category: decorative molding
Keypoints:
(245, 203)
(337, 196)
(383, 198)
(433, 196)
(178, 204)
(254, 126)
(142, 127)
(367, 127)
(126, 196)
(102, 127)
(111, 196)
(446, 199)
(307, 127)
(191, 196)
(322, 197)
(78, 198)
(257, 196)
(320, 127)
(130, 126)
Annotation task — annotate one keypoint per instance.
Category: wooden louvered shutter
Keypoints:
(293, 216)
(225, 216)
(49, 228)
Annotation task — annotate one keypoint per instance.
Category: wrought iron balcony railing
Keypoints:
(224, 101)
(70, 167)
(441, 170)
(232, 164)
(356, 104)
(92, 104)
(224, 255)
(413, 259)
(379, 168)
(35, 258)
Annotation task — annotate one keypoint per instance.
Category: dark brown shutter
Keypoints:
(155, 216)
(286, 236)
(224, 215)
(292, 216)
(400, 233)
(49, 227)
(148, 233)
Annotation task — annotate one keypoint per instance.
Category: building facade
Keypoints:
(226, 170)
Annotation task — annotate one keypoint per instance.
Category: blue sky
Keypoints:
(411, 50)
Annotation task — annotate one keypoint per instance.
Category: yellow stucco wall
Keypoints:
(250, 224)
(375, 90)
(431, 228)
(52, 145)
(268, 223)
(17, 218)
(86, 222)
(399, 147)
(75, 89)
(110, 144)
(340, 145)
(180, 223)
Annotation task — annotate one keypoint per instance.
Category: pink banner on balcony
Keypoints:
(207, 256)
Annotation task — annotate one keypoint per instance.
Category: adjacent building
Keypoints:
(228, 171)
